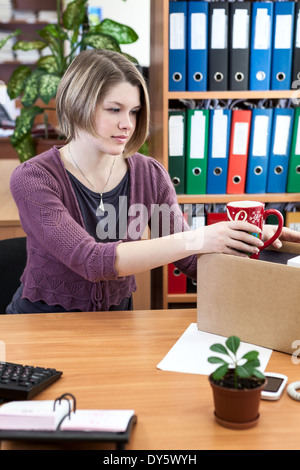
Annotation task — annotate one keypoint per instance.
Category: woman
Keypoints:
(86, 205)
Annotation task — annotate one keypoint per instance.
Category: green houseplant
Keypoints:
(237, 384)
(72, 33)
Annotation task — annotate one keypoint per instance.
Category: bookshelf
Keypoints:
(160, 99)
(26, 16)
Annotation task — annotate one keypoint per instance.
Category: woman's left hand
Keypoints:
(287, 235)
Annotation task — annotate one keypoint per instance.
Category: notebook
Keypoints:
(49, 415)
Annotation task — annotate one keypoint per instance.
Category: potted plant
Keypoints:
(72, 33)
(236, 385)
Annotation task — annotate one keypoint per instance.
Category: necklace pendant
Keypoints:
(100, 208)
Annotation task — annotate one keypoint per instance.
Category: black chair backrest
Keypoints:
(13, 257)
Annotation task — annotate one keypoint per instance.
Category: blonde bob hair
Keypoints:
(86, 82)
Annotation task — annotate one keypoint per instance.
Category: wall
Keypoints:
(136, 14)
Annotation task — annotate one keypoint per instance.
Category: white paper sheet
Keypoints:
(189, 354)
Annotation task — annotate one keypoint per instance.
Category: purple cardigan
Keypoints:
(65, 265)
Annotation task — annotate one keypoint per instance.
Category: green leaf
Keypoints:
(254, 362)
(12, 35)
(257, 373)
(54, 30)
(219, 348)
(233, 343)
(74, 14)
(220, 372)
(29, 45)
(31, 89)
(25, 148)
(130, 57)
(216, 360)
(51, 41)
(48, 87)
(101, 41)
(48, 63)
(24, 123)
(245, 370)
(251, 355)
(122, 33)
(17, 81)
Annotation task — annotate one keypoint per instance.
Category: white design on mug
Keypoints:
(237, 216)
(255, 217)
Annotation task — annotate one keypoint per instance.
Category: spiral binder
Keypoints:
(65, 434)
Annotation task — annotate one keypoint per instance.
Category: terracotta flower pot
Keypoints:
(236, 408)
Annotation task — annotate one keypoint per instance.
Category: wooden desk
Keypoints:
(109, 360)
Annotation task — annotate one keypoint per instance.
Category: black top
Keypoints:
(108, 226)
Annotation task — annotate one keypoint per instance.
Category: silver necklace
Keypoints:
(101, 205)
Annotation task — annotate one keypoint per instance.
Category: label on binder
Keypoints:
(177, 31)
(297, 35)
(198, 122)
(297, 147)
(219, 142)
(263, 29)
(176, 136)
(219, 29)
(282, 131)
(198, 31)
(283, 38)
(240, 38)
(260, 141)
(240, 138)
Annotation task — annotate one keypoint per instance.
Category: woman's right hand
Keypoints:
(234, 238)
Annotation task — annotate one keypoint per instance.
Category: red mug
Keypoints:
(254, 212)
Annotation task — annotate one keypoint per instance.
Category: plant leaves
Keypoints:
(244, 371)
(48, 63)
(251, 355)
(254, 362)
(12, 35)
(25, 148)
(31, 89)
(48, 86)
(216, 360)
(17, 81)
(24, 123)
(101, 41)
(43, 81)
(50, 40)
(121, 32)
(74, 14)
(218, 347)
(56, 31)
(247, 369)
(257, 373)
(233, 343)
(220, 372)
(29, 45)
(130, 57)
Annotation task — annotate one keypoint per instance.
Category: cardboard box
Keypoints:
(259, 301)
(292, 220)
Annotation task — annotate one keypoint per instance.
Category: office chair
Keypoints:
(12, 263)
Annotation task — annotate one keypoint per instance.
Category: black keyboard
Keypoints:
(22, 382)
